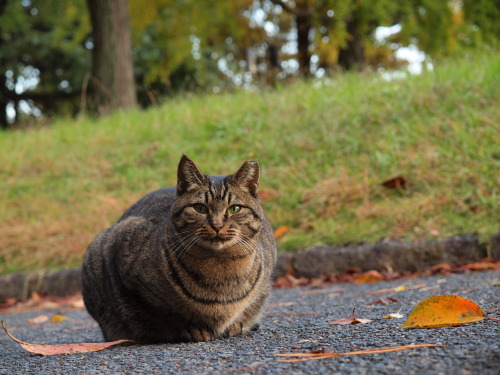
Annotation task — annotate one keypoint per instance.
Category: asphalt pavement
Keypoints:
(288, 327)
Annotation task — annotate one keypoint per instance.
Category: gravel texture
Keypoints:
(468, 349)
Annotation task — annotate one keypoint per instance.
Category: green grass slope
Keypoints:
(325, 148)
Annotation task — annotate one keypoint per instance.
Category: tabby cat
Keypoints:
(185, 263)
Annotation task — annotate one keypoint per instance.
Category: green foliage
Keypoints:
(325, 146)
(179, 44)
(482, 18)
(45, 37)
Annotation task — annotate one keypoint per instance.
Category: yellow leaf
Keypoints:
(443, 311)
(399, 288)
(59, 318)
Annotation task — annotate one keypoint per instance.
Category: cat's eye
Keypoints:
(234, 209)
(200, 208)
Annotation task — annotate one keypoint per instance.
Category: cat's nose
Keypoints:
(217, 226)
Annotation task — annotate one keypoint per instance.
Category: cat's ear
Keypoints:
(189, 177)
(247, 177)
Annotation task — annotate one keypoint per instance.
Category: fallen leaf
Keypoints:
(280, 232)
(385, 301)
(38, 319)
(63, 348)
(492, 309)
(398, 182)
(318, 355)
(369, 277)
(39, 302)
(351, 320)
(396, 315)
(59, 318)
(443, 311)
(290, 281)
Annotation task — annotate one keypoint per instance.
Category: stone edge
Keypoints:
(312, 262)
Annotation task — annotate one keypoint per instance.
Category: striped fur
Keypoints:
(186, 263)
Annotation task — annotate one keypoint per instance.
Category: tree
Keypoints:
(43, 58)
(111, 85)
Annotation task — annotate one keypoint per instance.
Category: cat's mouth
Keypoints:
(219, 239)
(218, 242)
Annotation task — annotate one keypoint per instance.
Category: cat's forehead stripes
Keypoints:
(217, 187)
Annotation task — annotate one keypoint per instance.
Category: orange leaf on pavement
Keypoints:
(443, 311)
(369, 277)
(63, 348)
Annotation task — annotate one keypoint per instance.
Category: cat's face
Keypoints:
(217, 212)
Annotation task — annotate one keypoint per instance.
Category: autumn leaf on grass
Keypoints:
(281, 231)
(443, 311)
(351, 320)
(63, 348)
(398, 182)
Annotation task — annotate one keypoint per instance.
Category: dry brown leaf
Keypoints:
(443, 311)
(39, 302)
(63, 348)
(385, 301)
(398, 182)
(351, 320)
(318, 355)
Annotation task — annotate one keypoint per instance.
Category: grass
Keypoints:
(325, 147)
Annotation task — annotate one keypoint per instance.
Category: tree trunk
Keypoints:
(4, 123)
(353, 56)
(303, 23)
(111, 85)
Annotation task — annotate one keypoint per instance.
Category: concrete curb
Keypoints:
(312, 262)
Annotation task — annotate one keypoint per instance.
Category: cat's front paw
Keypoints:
(234, 330)
(198, 334)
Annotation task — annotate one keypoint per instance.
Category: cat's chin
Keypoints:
(217, 245)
